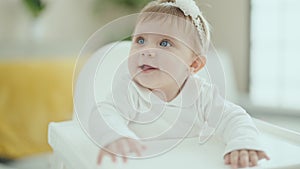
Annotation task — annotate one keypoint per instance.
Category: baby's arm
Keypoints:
(234, 126)
(109, 121)
(109, 129)
(241, 136)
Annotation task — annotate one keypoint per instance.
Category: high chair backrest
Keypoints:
(94, 80)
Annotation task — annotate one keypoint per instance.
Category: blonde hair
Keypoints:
(157, 7)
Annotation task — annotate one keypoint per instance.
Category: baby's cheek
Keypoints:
(174, 66)
(132, 64)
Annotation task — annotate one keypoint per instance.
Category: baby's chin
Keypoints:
(146, 83)
(143, 84)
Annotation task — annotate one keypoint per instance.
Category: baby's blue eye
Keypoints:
(140, 41)
(165, 43)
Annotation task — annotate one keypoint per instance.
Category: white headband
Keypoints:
(189, 8)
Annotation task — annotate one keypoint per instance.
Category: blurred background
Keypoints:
(40, 40)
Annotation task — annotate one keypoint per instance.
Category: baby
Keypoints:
(162, 98)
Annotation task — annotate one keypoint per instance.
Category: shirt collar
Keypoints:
(187, 96)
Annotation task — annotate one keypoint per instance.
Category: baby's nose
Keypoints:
(148, 53)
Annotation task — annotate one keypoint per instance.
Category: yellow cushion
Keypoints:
(32, 94)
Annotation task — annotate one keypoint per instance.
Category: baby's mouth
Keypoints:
(147, 68)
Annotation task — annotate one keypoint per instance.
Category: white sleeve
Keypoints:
(109, 118)
(237, 129)
(227, 121)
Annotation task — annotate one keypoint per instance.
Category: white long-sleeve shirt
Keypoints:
(197, 111)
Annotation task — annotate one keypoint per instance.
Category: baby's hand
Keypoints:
(244, 158)
(122, 146)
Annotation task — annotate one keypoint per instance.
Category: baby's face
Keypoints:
(159, 60)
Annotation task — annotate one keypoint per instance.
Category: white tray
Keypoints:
(73, 148)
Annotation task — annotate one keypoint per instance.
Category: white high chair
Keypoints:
(72, 149)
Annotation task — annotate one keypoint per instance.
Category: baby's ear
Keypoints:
(198, 63)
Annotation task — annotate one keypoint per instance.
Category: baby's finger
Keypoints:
(113, 157)
(141, 147)
(243, 158)
(253, 158)
(234, 159)
(100, 157)
(111, 149)
(262, 155)
(134, 147)
(227, 159)
(121, 149)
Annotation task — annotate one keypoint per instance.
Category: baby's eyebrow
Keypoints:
(138, 35)
(170, 37)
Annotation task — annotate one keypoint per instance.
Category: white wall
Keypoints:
(230, 33)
